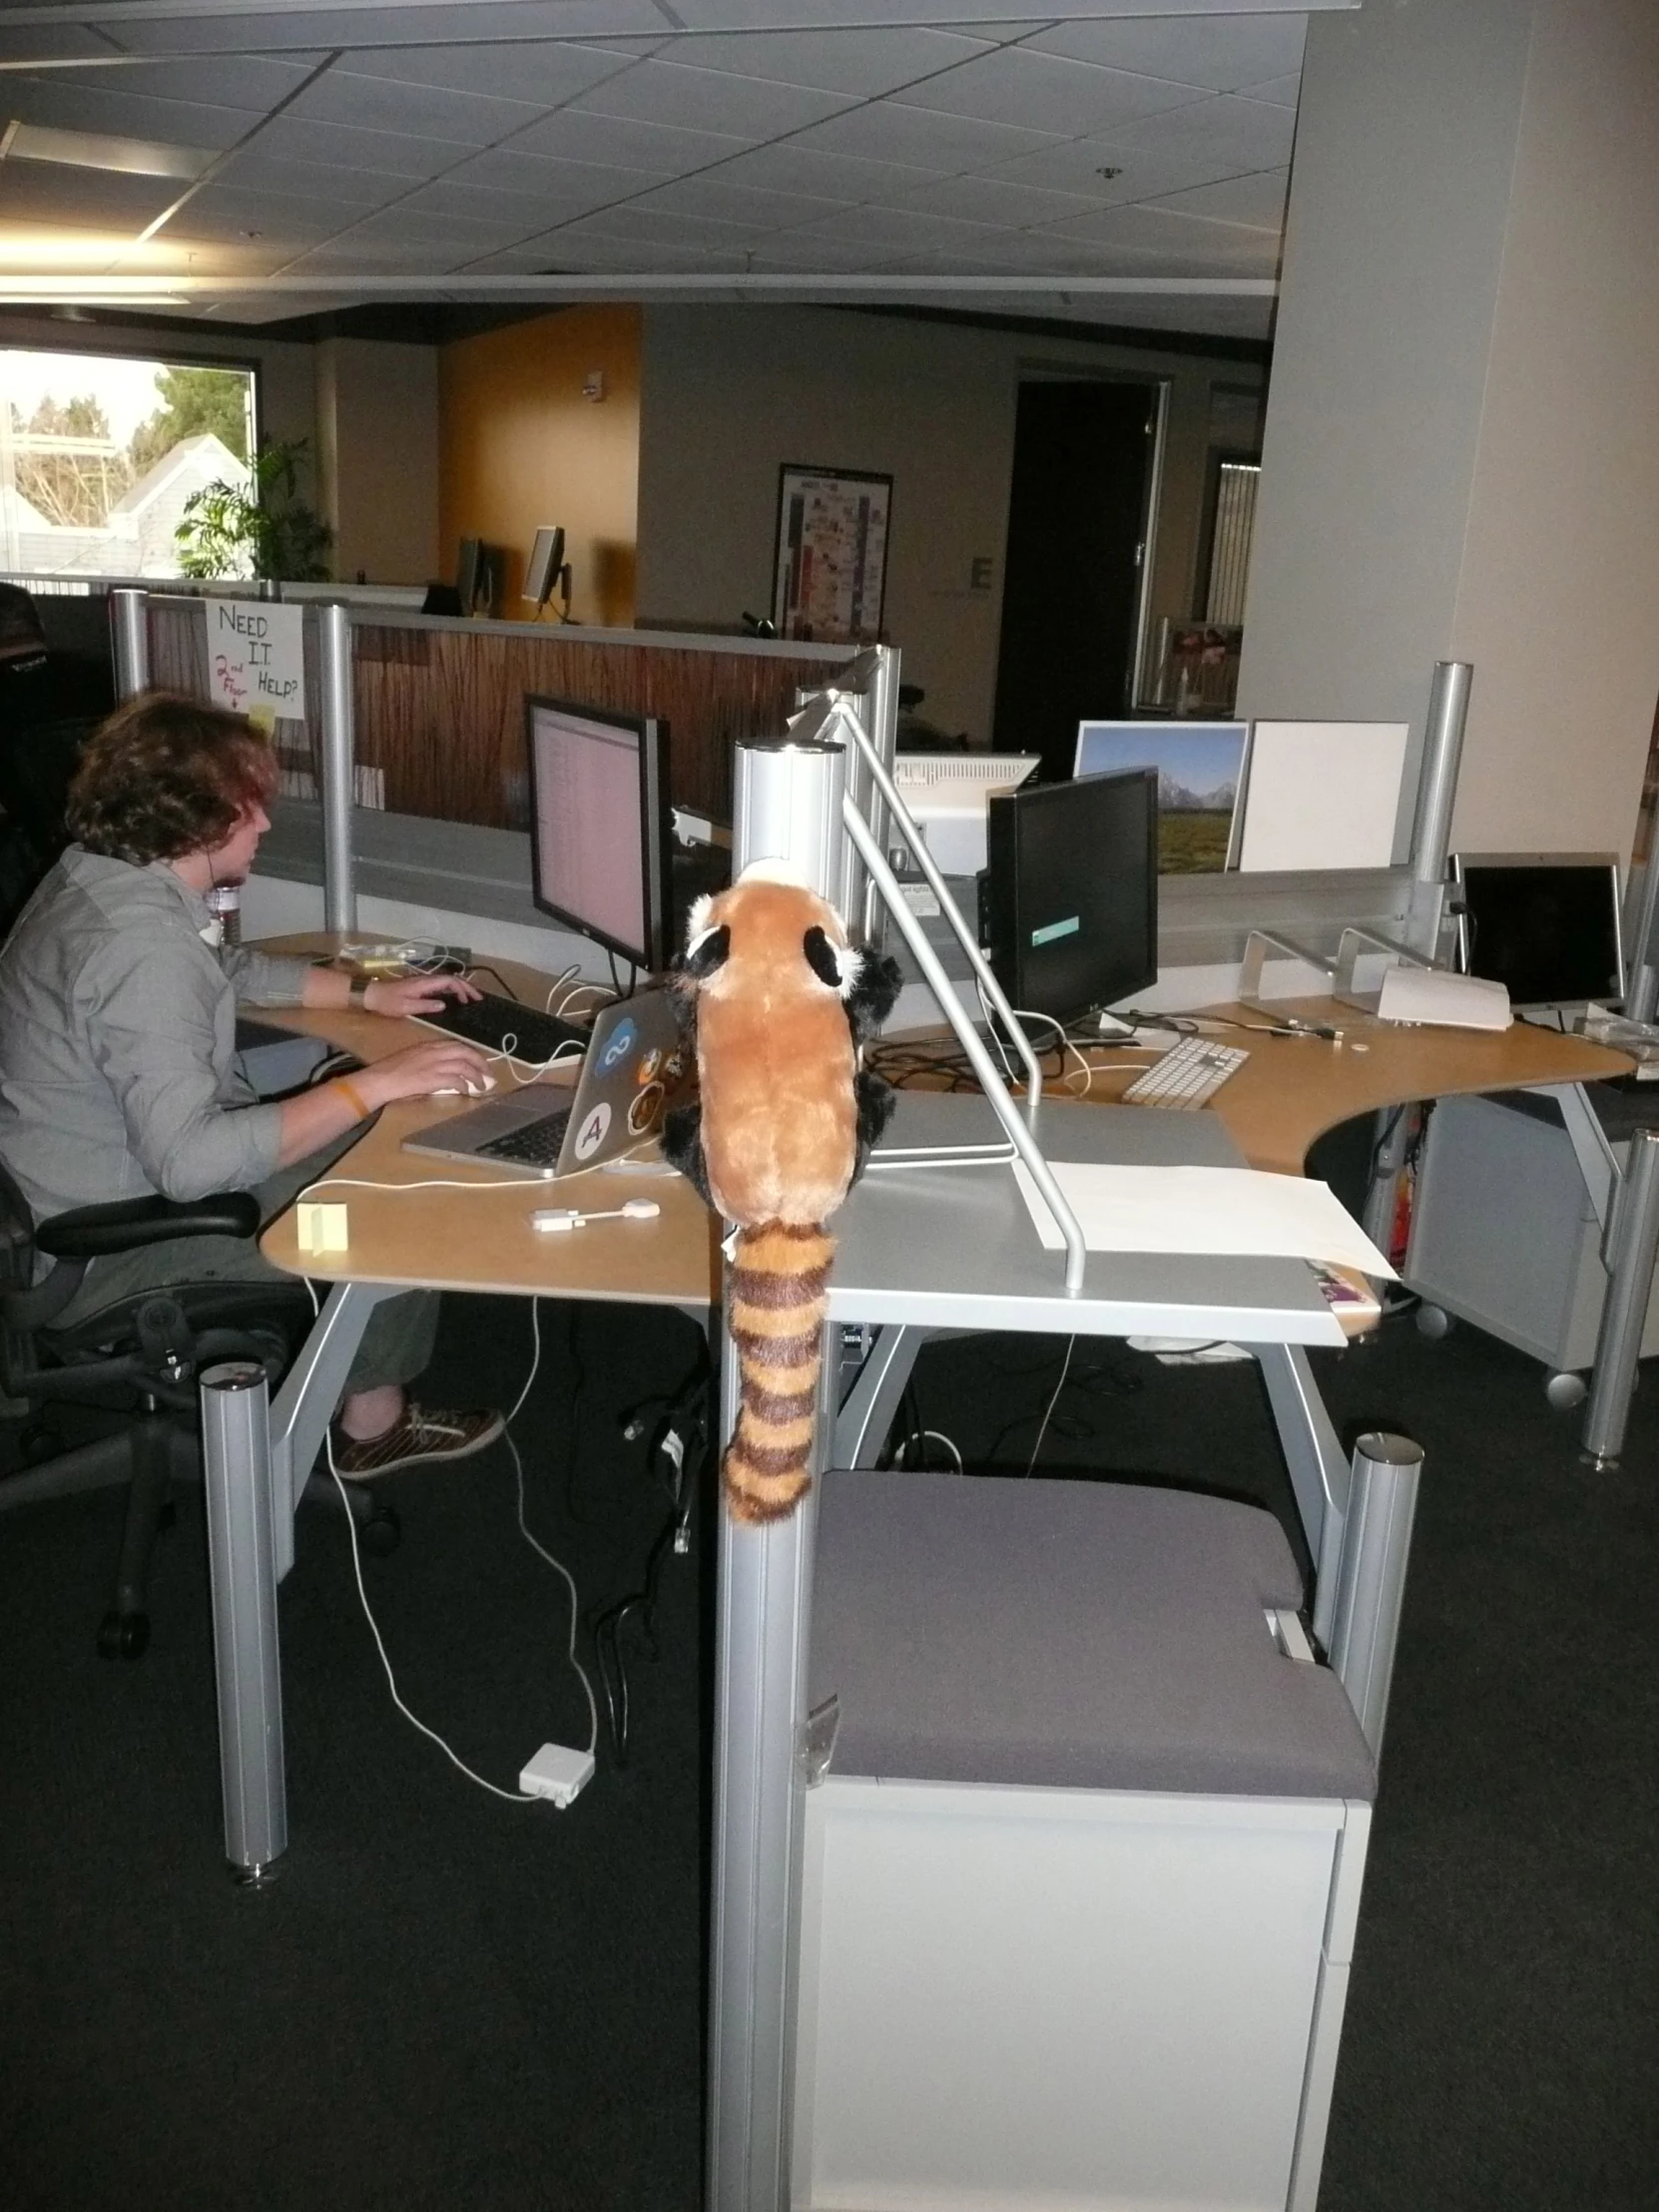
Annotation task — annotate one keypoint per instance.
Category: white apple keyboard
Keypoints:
(1188, 1076)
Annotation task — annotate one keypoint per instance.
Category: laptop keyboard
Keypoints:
(491, 1021)
(536, 1144)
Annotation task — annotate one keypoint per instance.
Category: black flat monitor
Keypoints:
(478, 577)
(600, 825)
(1072, 891)
(1543, 924)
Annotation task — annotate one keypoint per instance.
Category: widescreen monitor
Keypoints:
(1071, 893)
(1543, 924)
(1200, 769)
(600, 824)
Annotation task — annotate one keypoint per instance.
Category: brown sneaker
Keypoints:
(421, 1434)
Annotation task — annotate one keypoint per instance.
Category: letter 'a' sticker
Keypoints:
(621, 1044)
(591, 1135)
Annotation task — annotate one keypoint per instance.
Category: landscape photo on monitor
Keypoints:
(1201, 767)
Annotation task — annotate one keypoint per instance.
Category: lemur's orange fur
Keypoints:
(780, 1107)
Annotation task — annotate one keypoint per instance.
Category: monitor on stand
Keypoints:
(1543, 924)
(600, 825)
(1071, 893)
(547, 571)
(478, 577)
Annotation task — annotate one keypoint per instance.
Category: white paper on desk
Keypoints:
(1204, 1212)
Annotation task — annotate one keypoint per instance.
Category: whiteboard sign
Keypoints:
(1322, 794)
(256, 657)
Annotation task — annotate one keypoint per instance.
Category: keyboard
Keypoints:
(537, 1144)
(1188, 1076)
(491, 1020)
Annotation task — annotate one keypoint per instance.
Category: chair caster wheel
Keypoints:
(38, 1443)
(1565, 1390)
(1434, 1321)
(124, 1635)
(381, 1533)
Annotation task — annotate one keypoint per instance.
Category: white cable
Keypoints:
(1065, 1370)
(570, 1584)
(921, 1435)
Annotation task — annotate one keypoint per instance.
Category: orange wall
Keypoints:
(520, 446)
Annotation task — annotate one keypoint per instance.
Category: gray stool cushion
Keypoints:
(1091, 1635)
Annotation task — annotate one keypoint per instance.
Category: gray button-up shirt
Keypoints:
(118, 1041)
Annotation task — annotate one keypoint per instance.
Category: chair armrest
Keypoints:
(93, 1231)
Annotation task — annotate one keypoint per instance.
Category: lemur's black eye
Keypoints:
(822, 959)
(709, 952)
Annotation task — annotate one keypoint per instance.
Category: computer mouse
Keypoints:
(475, 1089)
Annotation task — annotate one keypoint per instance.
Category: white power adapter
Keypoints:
(557, 1773)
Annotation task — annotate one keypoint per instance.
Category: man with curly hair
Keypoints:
(118, 1071)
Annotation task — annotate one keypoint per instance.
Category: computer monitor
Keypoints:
(1071, 893)
(546, 571)
(1543, 924)
(600, 825)
(1201, 774)
(478, 577)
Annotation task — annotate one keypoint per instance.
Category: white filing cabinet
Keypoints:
(1081, 1883)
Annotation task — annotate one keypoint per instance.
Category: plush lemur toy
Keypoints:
(780, 1002)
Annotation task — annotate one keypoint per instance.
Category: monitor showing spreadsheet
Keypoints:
(600, 824)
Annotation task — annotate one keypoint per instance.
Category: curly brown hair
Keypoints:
(164, 775)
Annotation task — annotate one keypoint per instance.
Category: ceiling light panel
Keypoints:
(71, 104)
(31, 141)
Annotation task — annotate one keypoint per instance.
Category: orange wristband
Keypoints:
(354, 1097)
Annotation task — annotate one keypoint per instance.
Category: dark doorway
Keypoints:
(1071, 580)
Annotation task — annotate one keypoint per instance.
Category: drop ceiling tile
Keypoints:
(602, 254)
(1247, 133)
(245, 82)
(402, 226)
(864, 63)
(295, 138)
(1142, 172)
(575, 134)
(255, 169)
(809, 251)
(29, 42)
(1181, 241)
(709, 195)
(211, 256)
(657, 227)
(791, 166)
(998, 201)
(1068, 98)
(899, 229)
(709, 99)
(66, 105)
(1258, 199)
(890, 131)
(221, 212)
(466, 22)
(546, 75)
(417, 110)
(1280, 92)
(531, 211)
(1220, 52)
(568, 187)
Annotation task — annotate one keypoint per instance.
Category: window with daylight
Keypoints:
(99, 453)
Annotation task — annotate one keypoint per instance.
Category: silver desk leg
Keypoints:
(868, 1411)
(1318, 1471)
(1629, 1248)
(235, 1461)
(250, 1454)
(1371, 1581)
(765, 1628)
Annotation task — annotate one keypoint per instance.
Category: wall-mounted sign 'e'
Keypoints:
(257, 658)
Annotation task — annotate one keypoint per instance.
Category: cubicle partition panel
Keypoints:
(439, 706)
(178, 662)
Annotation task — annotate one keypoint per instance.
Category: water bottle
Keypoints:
(225, 902)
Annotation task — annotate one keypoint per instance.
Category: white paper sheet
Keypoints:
(1204, 1211)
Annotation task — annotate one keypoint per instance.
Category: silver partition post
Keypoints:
(1629, 1248)
(236, 1467)
(786, 806)
(1372, 1583)
(129, 642)
(1642, 936)
(333, 645)
(1443, 753)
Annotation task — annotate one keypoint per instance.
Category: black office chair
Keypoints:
(140, 1358)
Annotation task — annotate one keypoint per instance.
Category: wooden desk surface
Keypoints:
(478, 1236)
(1291, 1090)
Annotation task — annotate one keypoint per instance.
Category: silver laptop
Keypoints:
(634, 1067)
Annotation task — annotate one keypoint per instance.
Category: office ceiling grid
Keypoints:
(929, 147)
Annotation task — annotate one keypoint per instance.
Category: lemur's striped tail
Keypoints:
(777, 1299)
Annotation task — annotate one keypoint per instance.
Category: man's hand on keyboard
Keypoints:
(415, 994)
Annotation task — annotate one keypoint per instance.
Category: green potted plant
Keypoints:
(258, 526)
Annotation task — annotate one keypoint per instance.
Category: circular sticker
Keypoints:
(642, 1112)
(591, 1135)
(674, 1066)
(620, 1045)
(649, 1063)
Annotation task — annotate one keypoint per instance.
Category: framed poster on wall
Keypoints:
(830, 570)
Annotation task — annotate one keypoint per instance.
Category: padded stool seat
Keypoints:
(1093, 1635)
